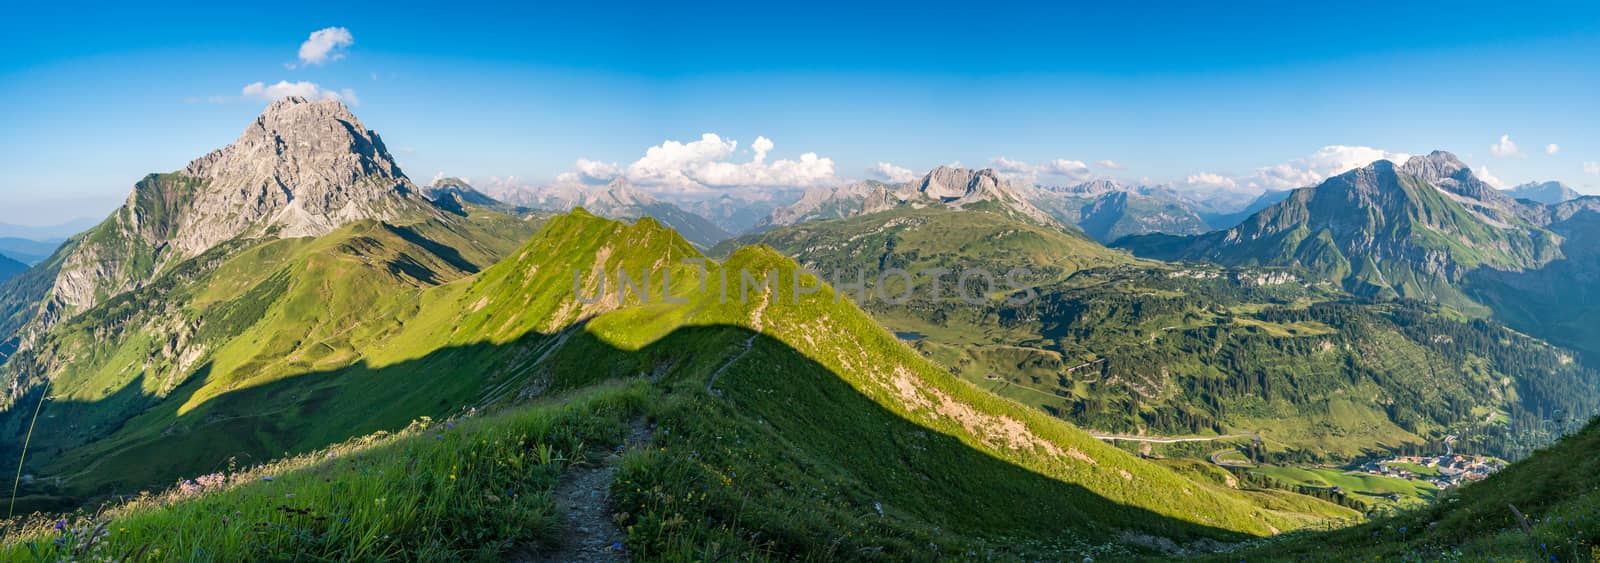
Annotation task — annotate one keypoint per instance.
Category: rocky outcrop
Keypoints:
(302, 168)
(818, 204)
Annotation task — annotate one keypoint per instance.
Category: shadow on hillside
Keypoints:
(802, 410)
(1558, 302)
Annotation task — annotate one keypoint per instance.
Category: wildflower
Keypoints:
(61, 525)
(452, 476)
(266, 478)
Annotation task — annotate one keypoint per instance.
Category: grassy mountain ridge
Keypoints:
(737, 376)
(244, 313)
(1555, 490)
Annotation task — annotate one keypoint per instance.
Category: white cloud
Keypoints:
(596, 172)
(1506, 147)
(704, 164)
(762, 146)
(307, 90)
(1074, 169)
(1109, 164)
(1482, 172)
(325, 45)
(1552, 148)
(1591, 168)
(1210, 180)
(1024, 172)
(891, 173)
(1309, 170)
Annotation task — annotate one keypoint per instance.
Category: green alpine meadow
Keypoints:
(814, 282)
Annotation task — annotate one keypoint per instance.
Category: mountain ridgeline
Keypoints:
(1383, 230)
(293, 316)
(303, 168)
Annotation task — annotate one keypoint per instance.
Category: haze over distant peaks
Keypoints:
(945, 186)
(1548, 193)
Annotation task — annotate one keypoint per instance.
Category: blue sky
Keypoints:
(93, 97)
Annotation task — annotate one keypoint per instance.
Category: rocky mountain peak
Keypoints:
(620, 193)
(301, 168)
(948, 183)
(1434, 167)
(452, 188)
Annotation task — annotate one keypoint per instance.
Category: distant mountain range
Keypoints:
(47, 232)
(945, 187)
(619, 199)
(29, 251)
(1549, 193)
(10, 268)
(1103, 209)
(1382, 230)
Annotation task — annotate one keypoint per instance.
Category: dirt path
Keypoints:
(744, 347)
(584, 496)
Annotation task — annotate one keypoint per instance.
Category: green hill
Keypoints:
(782, 419)
(1560, 301)
(125, 375)
(1122, 345)
(931, 239)
(1320, 375)
(1556, 492)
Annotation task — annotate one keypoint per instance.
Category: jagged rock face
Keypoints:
(960, 187)
(1450, 175)
(302, 168)
(823, 203)
(949, 184)
(305, 167)
(618, 194)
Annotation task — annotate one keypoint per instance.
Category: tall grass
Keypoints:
(16, 484)
(466, 488)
